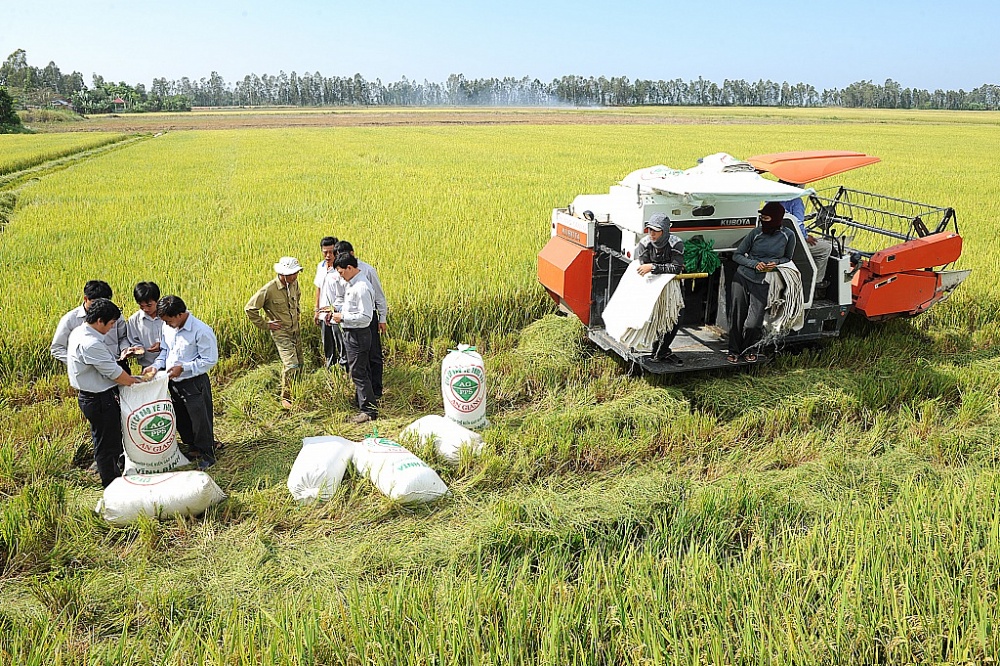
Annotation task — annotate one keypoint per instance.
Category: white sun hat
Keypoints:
(287, 266)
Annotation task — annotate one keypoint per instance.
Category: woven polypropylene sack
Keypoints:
(448, 437)
(395, 471)
(319, 468)
(158, 496)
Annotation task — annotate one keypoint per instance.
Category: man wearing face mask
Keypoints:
(660, 252)
(759, 253)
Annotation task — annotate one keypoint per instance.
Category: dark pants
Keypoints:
(359, 358)
(746, 313)
(192, 399)
(103, 411)
(334, 349)
(661, 347)
(377, 361)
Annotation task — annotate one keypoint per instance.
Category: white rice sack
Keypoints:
(319, 467)
(399, 474)
(159, 496)
(448, 437)
(463, 387)
(149, 430)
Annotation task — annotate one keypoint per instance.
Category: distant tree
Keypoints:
(9, 120)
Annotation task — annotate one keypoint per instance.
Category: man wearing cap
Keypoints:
(759, 253)
(661, 252)
(279, 300)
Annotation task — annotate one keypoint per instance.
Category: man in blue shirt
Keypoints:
(819, 248)
(188, 351)
(96, 376)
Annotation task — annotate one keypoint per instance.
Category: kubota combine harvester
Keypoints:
(889, 255)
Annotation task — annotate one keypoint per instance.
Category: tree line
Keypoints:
(33, 85)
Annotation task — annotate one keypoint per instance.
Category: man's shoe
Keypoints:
(672, 359)
(204, 464)
(286, 403)
(360, 418)
(93, 468)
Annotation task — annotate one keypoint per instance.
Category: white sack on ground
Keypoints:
(448, 437)
(463, 387)
(158, 496)
(319, 468)
(149, 431)
(785, 311)
(395, 471)
(643, 308)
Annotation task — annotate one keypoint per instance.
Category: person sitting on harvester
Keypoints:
(759, 253)
(660, 252)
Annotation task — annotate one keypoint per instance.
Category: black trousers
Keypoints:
(103, 411)
(747, 303)
(662, 346)
(334, 349)
(377, 360)
(192, 400)
(360, 349)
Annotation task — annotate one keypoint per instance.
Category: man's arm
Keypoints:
(740, 255)
(381, 304)
(789, 247)
(208, 355)
(60, 341)
(254, 307)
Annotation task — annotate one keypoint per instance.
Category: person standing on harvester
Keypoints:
(279, 300)
(759, 253)
(188, 351)
(660, 252)
(95, 373)
(356, 317)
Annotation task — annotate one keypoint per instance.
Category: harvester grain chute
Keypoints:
(890, 255)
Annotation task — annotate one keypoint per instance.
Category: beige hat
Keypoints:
(287, 266)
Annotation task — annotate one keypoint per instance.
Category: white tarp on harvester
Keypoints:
(643, 308)
(718, 177)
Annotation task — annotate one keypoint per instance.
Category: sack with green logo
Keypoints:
(149, 431)
(319, 467)
(395, 471)
(448, 437)
(463, 386)
(159, 496)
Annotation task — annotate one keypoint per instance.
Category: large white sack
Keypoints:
(149, 427)
(448, 437)
(463, 387)
(319, 467)
(398, 473)
(159, 496)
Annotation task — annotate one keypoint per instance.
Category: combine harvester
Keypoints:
(889, 255)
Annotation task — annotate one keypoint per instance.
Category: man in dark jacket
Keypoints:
(758, 254)
(660, 252)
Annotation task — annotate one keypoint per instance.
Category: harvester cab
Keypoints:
(887, 254)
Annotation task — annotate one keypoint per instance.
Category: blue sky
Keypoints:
(918, 43)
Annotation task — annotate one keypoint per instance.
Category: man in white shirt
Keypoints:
(96, 375)
(330, 334)
(355, 316)
(379, 324)
(144, 329)
(189, 350)
(116, 337)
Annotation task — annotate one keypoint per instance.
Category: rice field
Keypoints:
(22, 151)
(839, 506)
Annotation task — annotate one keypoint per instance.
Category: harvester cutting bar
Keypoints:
(876, 215)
